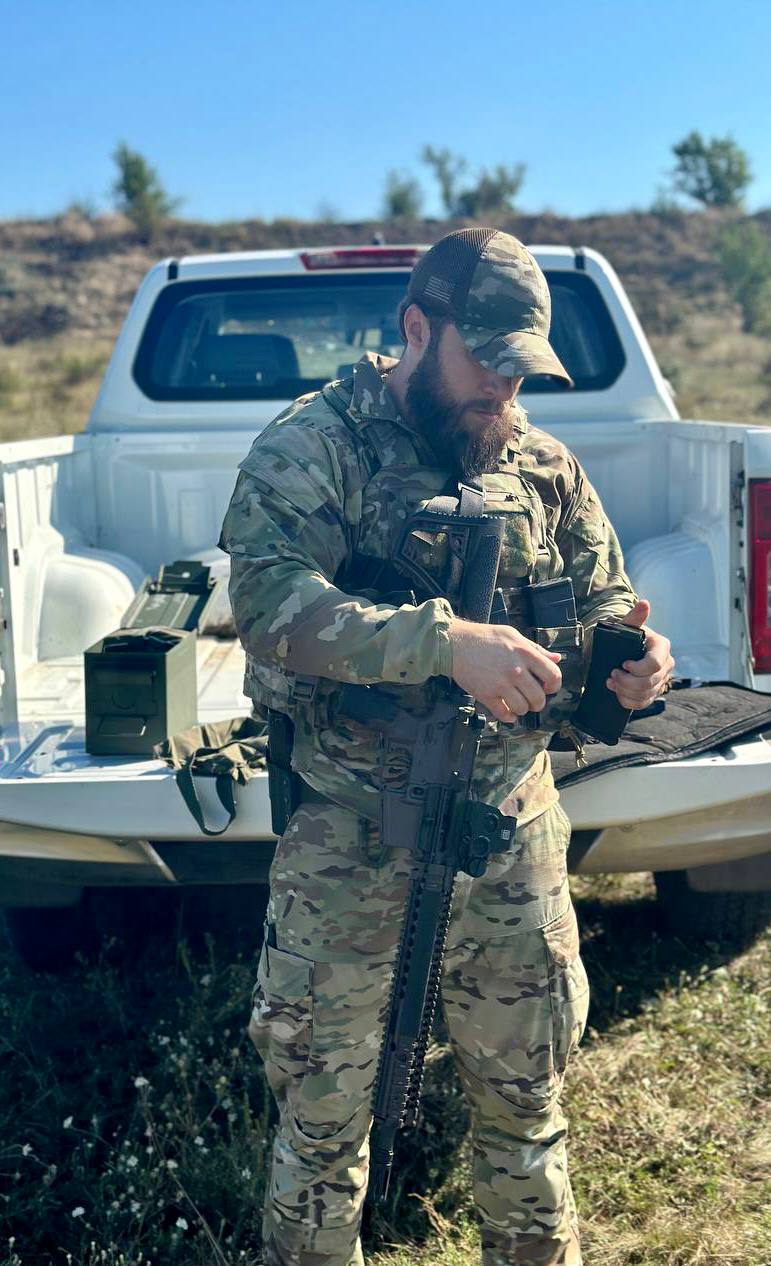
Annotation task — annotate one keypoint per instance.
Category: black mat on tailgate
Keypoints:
(694, 719)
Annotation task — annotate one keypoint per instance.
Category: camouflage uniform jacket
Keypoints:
(308, 495)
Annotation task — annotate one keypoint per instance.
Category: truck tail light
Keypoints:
(362, 257)
(760, 573)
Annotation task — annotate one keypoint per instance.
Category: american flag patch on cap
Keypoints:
(439, 288)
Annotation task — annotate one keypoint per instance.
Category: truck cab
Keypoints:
(213, 347)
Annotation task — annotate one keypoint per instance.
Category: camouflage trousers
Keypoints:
(514, 996)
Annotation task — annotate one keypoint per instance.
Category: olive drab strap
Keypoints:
(230, 752)
(225, 793)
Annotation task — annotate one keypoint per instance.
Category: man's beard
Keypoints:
(439, 420)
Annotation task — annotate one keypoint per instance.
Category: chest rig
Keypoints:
(406, 549)
(402, 480)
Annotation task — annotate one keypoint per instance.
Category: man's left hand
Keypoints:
(638, 682)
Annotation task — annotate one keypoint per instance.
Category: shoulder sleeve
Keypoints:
(289, 526)
(591, 552)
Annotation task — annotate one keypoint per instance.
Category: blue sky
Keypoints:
(254, 109)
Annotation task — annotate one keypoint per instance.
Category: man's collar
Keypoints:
(371, 397)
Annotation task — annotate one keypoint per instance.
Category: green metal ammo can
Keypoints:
(140, 687)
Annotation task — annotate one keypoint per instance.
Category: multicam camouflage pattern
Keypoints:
(314, 488)
(514, 995)
(507, 313)
(490, 285)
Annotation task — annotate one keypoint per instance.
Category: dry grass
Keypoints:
(720, 373)
(66, 284)
(668, 1101)
(47, 386)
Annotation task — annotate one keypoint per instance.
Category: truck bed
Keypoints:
(49, 781)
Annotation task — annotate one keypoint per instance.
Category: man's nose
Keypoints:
(497, 387)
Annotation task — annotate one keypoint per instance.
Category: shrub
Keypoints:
(139, 193)
(715, 173)
(744, 251)
(493, 191)
(403, 197)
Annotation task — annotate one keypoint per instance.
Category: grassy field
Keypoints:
(134, 1120)
(47, 386)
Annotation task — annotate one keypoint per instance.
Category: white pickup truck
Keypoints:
(212, 348)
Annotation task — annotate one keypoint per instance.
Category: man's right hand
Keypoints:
(502, 669)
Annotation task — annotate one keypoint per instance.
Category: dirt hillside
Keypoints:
(66, 283)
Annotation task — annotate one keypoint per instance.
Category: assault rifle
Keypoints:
(433, 814)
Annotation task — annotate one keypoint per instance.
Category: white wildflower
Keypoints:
(66, 1123)
(206, 980)
(27, 1148)
(132, 1162)
(139, 1082)
(246, 1172)
(182, 1224)
(198, 1141)
(172, 1164)
(78, 1211)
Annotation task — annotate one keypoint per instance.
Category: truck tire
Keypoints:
(729, 917)
(47, 938)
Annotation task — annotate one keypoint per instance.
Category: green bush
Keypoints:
(715, 173)
(744, 251)
(139, 193)
(403, 197)
(492, 192)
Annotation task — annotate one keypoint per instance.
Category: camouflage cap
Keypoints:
(491, 287)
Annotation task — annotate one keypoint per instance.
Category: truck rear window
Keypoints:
(276, 338)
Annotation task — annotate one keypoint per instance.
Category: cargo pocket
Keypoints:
(281, 1019)
(568, 987)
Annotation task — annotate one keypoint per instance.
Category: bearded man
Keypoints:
(319, 507)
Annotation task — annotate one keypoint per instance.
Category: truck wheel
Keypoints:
(48, 938)
(735, 916)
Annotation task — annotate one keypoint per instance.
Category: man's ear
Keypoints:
(417, 329)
